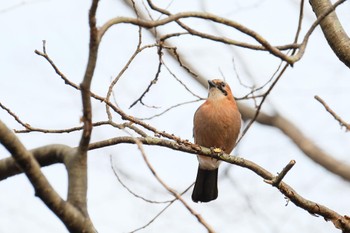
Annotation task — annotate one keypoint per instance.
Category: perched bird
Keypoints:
(216, 124)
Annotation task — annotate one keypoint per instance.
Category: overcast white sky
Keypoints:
(31, 89)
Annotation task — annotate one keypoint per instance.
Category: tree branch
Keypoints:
(77, 165)
(339, 221)
(336, 117)
(332, 29)
(45, 156)
(200, 15)
(69, 215)
(89, 72)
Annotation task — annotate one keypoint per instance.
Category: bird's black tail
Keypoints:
(206, 186)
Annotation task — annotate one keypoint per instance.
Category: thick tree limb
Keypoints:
(69, 215)
(334, 32)
(89, 72)
(77, 166)
(45, 156)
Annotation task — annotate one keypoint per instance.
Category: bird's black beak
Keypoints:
(211, 84)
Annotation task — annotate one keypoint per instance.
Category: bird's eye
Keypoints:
(223, 84)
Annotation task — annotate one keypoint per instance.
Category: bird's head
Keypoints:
(218, 89)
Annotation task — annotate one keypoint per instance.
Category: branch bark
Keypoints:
(77, 165)
(334, 32)
(45, 156)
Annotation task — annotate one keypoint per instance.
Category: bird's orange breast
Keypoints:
(217, 124)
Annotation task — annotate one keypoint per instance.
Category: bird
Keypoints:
(216, 124)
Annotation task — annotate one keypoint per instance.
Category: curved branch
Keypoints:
(69, 215)
(332, 29)
(77, 165)
(86, 84)
(200, 15)
(45, 156)
(177, 195)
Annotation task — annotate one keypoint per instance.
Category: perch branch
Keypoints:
(339, 221)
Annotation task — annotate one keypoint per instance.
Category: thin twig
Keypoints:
(170, 108)
(25, 125)
(153, 82)
(126, 66)
(177, 79)
(275, 181)
(114, 169)
(336, 117)
(173, 51)
(262, 101)
(300, 20)
(160, 212)
(172, 191)
(68, 130)
(46, 56)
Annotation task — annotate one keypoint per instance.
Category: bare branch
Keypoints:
(69, 130)
(201, 15)
(173, 50)
(114, 169)
(45, 156)
(89, 72)
(339, 221)
(121, 72)
(160, 212)
(277, 179)
(168, 109)
(25, 125)
(297, 34)
(47, 58)
(329, 10)
(336, 117)
(332, 29)
(69, 215)
(253, 119)
(153, 82)
(172, 191)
